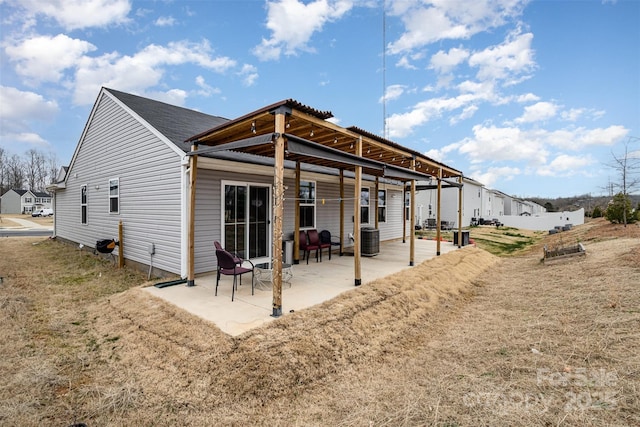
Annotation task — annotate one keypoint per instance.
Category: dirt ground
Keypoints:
(468, 338)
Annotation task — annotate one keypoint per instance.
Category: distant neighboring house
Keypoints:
(426, 201)
(134, 161)
(16, 201)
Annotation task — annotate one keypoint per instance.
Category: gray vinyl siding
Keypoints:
(11, 203)
(116, 145)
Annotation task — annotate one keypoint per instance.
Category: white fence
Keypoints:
(543, 221)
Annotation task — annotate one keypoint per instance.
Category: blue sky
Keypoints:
(528, 97)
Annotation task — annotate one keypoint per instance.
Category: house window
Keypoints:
(382, 205)
(307, 197)
(27, 199)
(114, 195)
(83, 204)
(364, 205)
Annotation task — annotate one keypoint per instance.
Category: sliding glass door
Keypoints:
(246, 219)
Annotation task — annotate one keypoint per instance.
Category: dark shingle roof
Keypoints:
(176, 123)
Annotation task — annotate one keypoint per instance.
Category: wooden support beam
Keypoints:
(460, 213)
(191, 238)
(341, 211)
(278, 213)
(412, 222)
(438, 213)
(356, 218)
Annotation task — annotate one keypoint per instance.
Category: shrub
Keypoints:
(618, 207)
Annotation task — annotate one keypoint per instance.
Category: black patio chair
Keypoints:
(325, 239)
(228, 266)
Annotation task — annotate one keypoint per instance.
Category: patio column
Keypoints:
(341, 210)
(193, 168)
(278, 211)
(356, 217)
(412, 222)
(438, 212)
(460, 212)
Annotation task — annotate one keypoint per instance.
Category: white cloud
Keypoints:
(467, 112)
(444, 62)
(440, 154)
(538, 112)
(494, 175)
(402, 124)
(573, 114)
(45, 58)
(165, 21)
(430, 21)
(172, 96)
(205, 89)
(79, 14)
(393, 92)
(403, 62)
(564, 165)
(18, 105)
(143, 70)
(494, 144)
(249, 74)
(292, 24)
(510, 61)
(527, 97)
(19, 110)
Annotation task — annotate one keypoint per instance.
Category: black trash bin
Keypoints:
(465, 238)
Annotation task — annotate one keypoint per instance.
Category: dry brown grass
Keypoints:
(464, 339)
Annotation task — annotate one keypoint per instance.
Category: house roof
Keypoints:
(21, 192)
(176, 123)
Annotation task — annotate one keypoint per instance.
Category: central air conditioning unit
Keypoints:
(369, 241)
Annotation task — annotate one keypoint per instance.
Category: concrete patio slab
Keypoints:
(311, 284)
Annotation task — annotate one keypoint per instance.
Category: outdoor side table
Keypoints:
(263, 275)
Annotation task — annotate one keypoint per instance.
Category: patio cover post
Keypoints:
(356, 217)
(460, 212)
(193, 168)
(341, 209)
(278, 211)
(296, 225)
(412, 236)
(438, 213)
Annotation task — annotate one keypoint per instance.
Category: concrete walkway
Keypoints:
(311, 284)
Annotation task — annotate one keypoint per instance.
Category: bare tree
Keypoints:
(52, 168)
(15, 172)
(3, 172)
(627, 166)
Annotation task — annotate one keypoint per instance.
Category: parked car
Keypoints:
(42, 212)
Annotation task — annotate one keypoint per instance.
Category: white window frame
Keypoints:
(367, 206)
(307, 204)
(116, 196)
(382, 205)
(84, 208)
